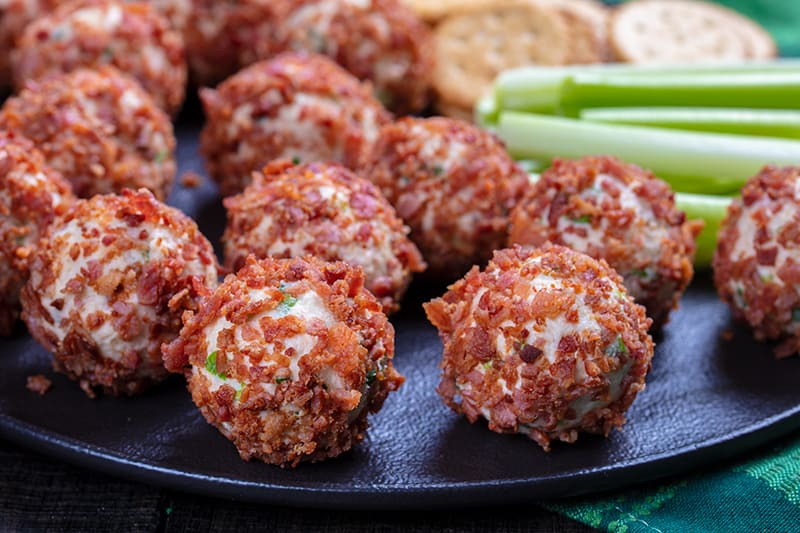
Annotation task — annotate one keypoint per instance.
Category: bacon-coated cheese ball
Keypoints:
(132, 37)
(15, 15)
(287, 357)
(108, 285)
(545, 342)
(223, 36)
(377, 40)
(757, 260)
(99, 129)
(452, 183)
(323, 210)
(618, 212)
(31, 195)
(297, 107)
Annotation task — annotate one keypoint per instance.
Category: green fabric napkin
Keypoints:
(761, 494)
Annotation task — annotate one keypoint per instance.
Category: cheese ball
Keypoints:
(324, 210)
(287, 357)
(99, 129)
(222, 37)
(31, 196)
(757, 260)
(298, 107)
(15, 15)
(618, 212)
(131, 37)
(452, 183)
(377, 40)
(545, 342)
(108, 285)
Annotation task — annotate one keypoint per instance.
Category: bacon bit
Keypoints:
(39, 384)
(530, 353)
(191, 180)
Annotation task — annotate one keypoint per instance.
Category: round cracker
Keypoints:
(435, 10)
(473, 47)
(587, 21)
(446, 109)
(683, 31)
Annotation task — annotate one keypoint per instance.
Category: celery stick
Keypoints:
(770, 89)
(760, 122)
(713, 163)
(537, 89)
(486, 111)
(711, 209)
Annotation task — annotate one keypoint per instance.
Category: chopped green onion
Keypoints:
(617, 347)
(583, 219)
(211, 365)
(371, 376)
(295, 160)
(281, 380)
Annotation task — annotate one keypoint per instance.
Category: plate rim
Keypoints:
(446, 494)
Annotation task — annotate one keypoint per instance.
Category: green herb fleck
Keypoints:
(288, 302)
(211, 365)
(617, 347)
(168, 510)
(740, 297)
(281, 380)
(161, 156)
(438, 170)
(371, 376)
(295, 160)
(239, 394)
(766, 278)
(583, 219)
(796, 315)
(487, 365)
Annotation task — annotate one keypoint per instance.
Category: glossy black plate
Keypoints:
(707, 399)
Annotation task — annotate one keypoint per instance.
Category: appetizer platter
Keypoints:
(713, 392)
(327, 274)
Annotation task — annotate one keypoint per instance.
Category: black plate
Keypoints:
(706, 399)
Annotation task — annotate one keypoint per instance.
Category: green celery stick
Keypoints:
(768, 89)
(710, 163)
(486, 111)
(760, 122)
(536, 89)
(711, 209)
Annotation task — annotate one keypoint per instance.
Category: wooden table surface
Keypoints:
(41, 494)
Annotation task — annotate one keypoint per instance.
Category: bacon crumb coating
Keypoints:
(757, 260)
(134, 38)
(31, 196)
(545, 342)
(382, 41)
(223, 36)
(108, 285)
(324, 210)
(99, 129)
(615, 211)
(452, 183)
(287, 357)
(298, 107)
(15, 15)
